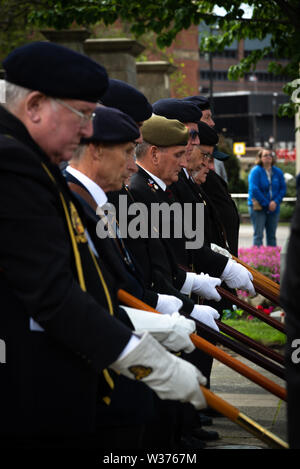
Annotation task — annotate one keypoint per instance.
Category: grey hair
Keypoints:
(14, 94)
(142, 148)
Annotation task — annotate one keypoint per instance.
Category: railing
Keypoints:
(243, 197)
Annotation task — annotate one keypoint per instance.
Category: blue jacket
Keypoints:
(259, 187)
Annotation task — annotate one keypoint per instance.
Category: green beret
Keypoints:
(164, 132)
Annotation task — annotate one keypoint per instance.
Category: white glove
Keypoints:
(206, 314)
(166, 374)
(236, 275)
(172, 331)
(167, 304)
(205, 286)
(219, 250)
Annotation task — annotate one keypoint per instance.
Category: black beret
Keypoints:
(56, 71)
(111, 125)
(173, 108)
(207, 135)
(200, 101)
(128, 99)
(163, 132)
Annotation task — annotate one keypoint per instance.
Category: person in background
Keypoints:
(266, 190)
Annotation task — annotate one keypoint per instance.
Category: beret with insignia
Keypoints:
(56, 71)
(173, 108)
(111, 125)
(128, 99)
(164, 132)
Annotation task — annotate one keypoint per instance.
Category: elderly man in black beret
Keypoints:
(202, 259)
(216, 186)
(98, 167)
(59, 317)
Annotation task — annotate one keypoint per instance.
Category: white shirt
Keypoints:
(100, 198)
(96, 191)
(158, 181)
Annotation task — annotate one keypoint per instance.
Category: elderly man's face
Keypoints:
(202, 168)
(60, 129)
(193, 138)
(170, 162)
(113, 164)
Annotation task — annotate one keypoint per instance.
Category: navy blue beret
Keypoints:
(111, 125)
(56, 71)
(173, 108)
(219, 155)
(207, 135)
(128, 99)
(201, 101)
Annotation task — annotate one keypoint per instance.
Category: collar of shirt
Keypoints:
(186, 173)
(158, 181)
(96, 192)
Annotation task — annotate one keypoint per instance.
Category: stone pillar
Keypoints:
(153, 79)
(117, 55)
(71, 38)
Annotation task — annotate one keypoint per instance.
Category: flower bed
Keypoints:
(265, 259)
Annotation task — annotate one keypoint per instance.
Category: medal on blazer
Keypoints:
(152, 185)
(77, 225)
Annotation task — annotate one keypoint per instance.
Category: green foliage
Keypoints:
(257, 330)
(286, 211)
(278, 20)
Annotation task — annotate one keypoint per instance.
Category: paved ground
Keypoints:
(246, 235)
(252, 400)
(260, 405)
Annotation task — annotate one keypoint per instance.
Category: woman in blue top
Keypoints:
(266, 191)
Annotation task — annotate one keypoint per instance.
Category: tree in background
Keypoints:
(277, 19)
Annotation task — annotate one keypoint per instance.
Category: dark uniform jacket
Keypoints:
(200, 260)
(185, 190)
(114, 253)
(160, 271)
(290, 300)
(52, 380)
(217, 191)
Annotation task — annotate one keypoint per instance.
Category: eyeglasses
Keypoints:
(194, 134)
(206, 155)
(268, 154)
(84, 118)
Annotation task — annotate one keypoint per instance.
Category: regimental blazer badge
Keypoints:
(77, 225)
(154, 187)
(140, 371)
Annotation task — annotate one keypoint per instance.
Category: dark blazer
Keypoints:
(116, 256)
(186, 190)
(51, 381)
(160, 270)
(290, 300)
(216, 190)
(203, 259)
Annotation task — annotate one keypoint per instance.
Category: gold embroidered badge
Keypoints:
(140, 371)
(77, 225)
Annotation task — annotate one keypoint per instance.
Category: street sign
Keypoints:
(239, 148)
